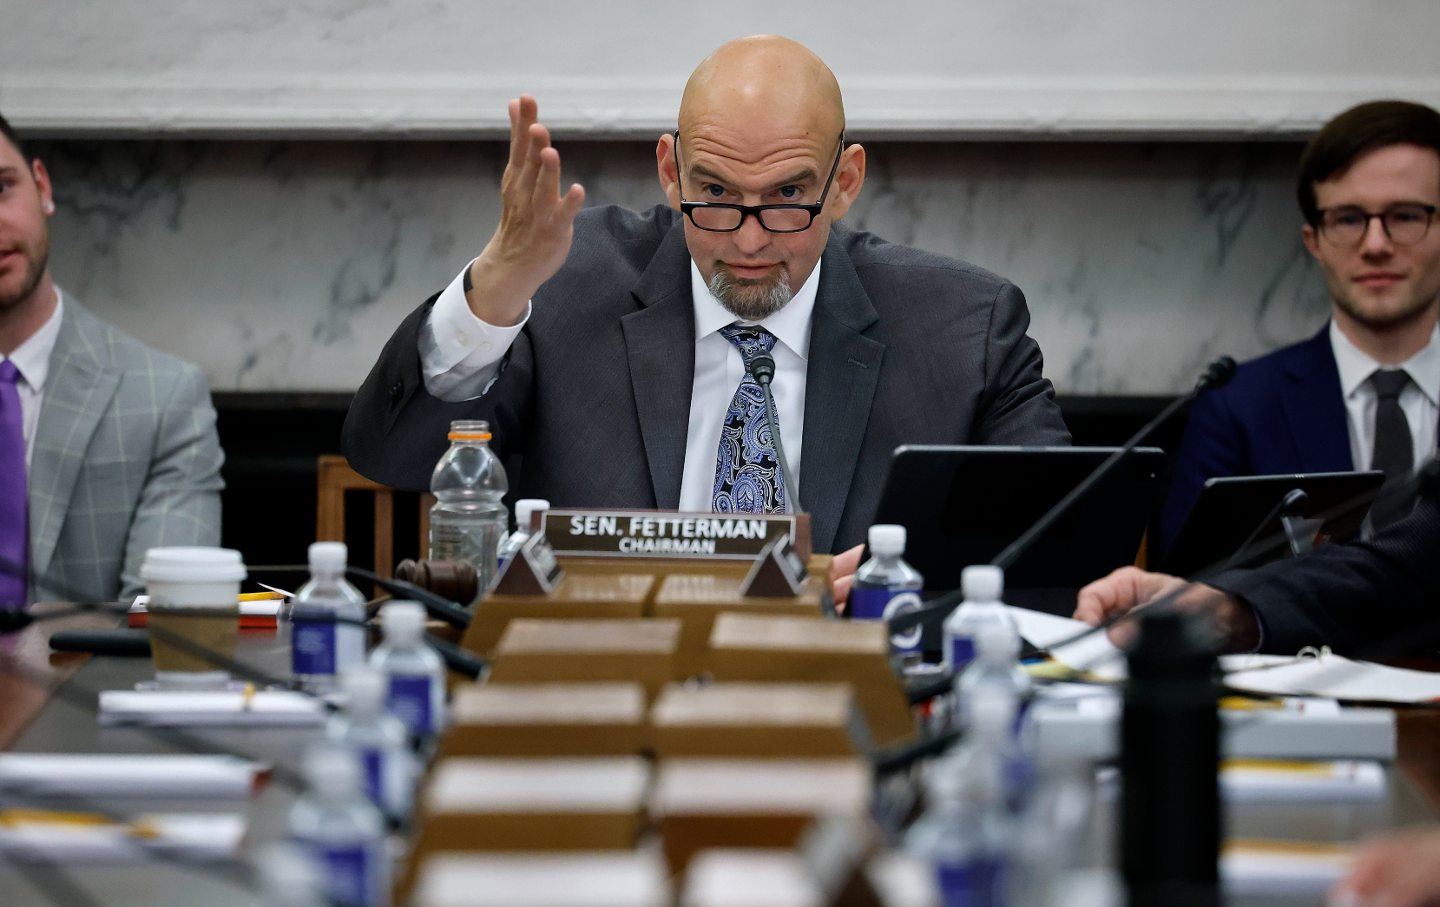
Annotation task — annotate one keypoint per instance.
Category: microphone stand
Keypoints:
(1216, 374)
(1287, 510)
(762, 370)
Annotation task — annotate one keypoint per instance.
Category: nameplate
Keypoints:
(649, 533)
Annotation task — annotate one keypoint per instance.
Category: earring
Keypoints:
(49, 207)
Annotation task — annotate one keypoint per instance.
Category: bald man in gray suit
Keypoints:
(118, 452)
(607, 348)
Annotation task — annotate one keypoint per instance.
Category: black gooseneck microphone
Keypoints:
(1216, 374)
(762, 369)
(1425, 481)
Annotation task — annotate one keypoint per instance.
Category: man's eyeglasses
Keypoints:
(1405, 223)
(718, 217)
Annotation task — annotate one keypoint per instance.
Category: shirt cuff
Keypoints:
(459, 353)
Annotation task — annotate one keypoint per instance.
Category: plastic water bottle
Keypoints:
(342, 830)
(965, 831)
(287, 877)
(525, 511)
(327, 621)
(982, 586)
(1053, 832)
(996, 664)
(416, 676)
(885, 586)
(469, 516)
(366, 729)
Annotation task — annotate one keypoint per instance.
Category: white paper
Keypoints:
(1330, 782)
(127, 775)
(221, 707)
(1095, 654)
(199, 836)
(1249, 871)
(1340, 678)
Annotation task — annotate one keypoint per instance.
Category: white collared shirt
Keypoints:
(460, 357)
(718, 371)
(32, 359)
(1420, 400)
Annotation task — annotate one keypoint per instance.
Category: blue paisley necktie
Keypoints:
(747, 472)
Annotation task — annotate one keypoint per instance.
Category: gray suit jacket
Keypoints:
(906, 348)
(126, 458)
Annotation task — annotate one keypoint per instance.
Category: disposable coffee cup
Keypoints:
(194, 613)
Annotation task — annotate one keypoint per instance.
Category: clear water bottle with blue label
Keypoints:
(415, 674)
(886, 587)
(965, 831)
(996, 664)
(469, 518)
(327, 621)
(342, 831)
(365, 727)
(287, 877)
(982, 586)
(527, 510)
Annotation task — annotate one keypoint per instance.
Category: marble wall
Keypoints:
(284, 265)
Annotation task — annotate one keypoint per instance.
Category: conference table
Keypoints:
(47, 705)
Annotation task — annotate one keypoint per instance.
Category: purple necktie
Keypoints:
(747, 472)
(14, 525)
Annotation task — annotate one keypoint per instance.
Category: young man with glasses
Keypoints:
(1362, 393)
(609, 348)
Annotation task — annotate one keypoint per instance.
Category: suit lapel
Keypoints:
(1315, 407)
(660, 353)
(77, 394)
(840, 383)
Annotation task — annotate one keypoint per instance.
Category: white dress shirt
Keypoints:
(1420, 400)
(460, 358)
(32, 359)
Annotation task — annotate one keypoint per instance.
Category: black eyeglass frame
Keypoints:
(1384, 224)
(813, 209)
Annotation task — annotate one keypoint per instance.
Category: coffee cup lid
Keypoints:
(192, 564)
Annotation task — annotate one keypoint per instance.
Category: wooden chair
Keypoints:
(334, 477)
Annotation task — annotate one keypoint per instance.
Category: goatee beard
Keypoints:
(34, 273)
(751, 300)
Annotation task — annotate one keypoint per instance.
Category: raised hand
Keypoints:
(536, 223)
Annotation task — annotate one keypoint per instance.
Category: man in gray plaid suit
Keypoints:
(107, 447)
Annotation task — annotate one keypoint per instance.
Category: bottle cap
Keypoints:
(331, 772)
(192, 564)
(329, 556)
(469, 430)
(982, 583)
(525, 510)
(887, 539)
(402, 621)
(997, 641)
(365, 691)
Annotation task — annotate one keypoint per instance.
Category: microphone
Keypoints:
(1286, 509)
(1216, 374)
(762, 370)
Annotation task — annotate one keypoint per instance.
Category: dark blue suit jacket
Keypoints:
(1281, 413)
